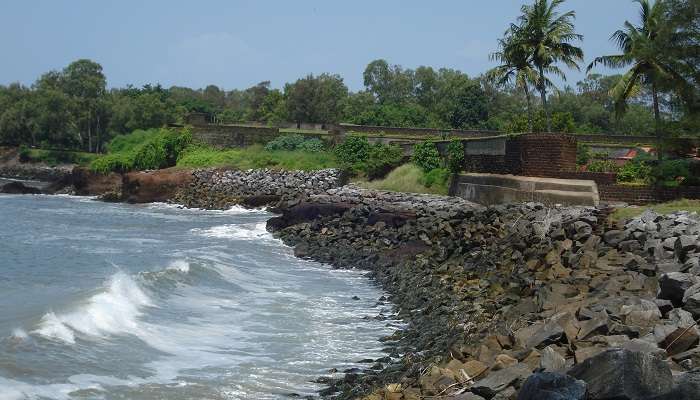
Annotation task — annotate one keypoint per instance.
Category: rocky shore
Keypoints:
(513, 302)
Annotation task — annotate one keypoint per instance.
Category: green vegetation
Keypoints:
(55, 157)
(372, 160)
(295, 142)
(455, 156)
(142, 150)
(426, 156)
(411, 179)
(257, 157)
(626, 213)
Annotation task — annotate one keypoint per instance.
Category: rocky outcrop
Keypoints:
(491, 295)
(18, 188)
(35, 172)
(154, 186)
(223, 188)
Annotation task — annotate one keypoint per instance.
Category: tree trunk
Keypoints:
(657, 122)
(543, 94)
(529, 108)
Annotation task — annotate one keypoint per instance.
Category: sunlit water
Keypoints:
(115, 301)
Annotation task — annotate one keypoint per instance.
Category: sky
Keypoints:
(238, 43)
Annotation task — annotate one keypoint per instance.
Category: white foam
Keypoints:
(179, 265)
(255, 231)
(19, 334)
(238, 210)
(116, 310)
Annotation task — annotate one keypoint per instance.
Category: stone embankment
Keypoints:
(222, 188)
(35, 172)
(513, 301)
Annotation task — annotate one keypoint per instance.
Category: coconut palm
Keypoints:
(515, 68)
(547, 37)
(643, 49)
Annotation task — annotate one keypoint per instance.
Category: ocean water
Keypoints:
(116, 301)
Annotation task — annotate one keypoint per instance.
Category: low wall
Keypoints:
(401, 131)
(233, 135)
(489, 189)
(600, 178)
(640, 195)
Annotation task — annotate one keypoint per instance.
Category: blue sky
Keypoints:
(237, 43)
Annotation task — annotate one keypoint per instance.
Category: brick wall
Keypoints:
(545, 155)
(600, 178)
(646, 194)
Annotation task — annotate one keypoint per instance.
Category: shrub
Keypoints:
(583, 153)
(603, 166)
(455, 156)
(152, 149)
(436, 178)
(406, 178)
(312, 145)
(635, 171)
(426, 156)
(353, 150)
(672, 172)
(285, 142)
(381, 159)
(24, 153)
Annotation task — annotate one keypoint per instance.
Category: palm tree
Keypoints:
(515, 67)
(642, 48)
(546, 36)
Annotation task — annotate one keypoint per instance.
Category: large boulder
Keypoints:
(552, 386)
(624, 375)
(672, 286)
(499, 380)
(686, 388)
(18, 188)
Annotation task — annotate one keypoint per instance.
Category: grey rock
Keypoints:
(614, 237)
(552, 361)
(540, 333)
(624, 375)
(499, 380)
(552, 386)
(672, 286)
(687, 387)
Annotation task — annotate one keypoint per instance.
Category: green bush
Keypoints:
(603, 166)
(255, 157)
(312, 145)
(672, 172)
(635, 171)
(583, 153)
(353, 150)
(24, 153)
(436, 178)
(152, 149)
(381, 159)
(407, 178)
(285, 142)
(426, 156)
(455, 156)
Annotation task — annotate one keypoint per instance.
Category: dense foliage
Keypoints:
(455, 156)
(257, 157)
(355, 153)
(426, 156)
(295, 142)
(143, 150)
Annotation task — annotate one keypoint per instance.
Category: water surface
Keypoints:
(116, 301)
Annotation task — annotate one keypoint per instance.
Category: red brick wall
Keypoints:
(545, 155)
(646, 194)
(600, 178)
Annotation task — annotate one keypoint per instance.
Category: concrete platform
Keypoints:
(488, 189)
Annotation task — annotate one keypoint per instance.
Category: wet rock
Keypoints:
(624, 375)
(18, 188)
(552, 386)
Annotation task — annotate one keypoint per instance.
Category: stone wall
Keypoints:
(223, 136)
(412, 132)
(222, 188)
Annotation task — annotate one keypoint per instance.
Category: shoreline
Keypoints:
(493, 296)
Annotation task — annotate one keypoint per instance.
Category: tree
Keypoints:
(316, 99)
(546, 36)
(515, 68)
(643, 50)
(84, 82)
(389, 84)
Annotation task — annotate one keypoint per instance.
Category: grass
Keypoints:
(57, 157)
(662, 208)
(256, 156)
(406, 178)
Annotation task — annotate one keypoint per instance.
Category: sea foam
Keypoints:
(114, 311)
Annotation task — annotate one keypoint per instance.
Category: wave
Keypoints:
(234, 210)
(114, 311)
(255, 231)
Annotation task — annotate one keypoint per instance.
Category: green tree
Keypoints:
(319, 99)
(547, 38)
(84, 82)
(643, 50)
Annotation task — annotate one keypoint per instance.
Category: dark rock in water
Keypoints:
(18, 188)
(260, 201)
(305, 212)
(499, 380)
(552, 386)
(624, 375)
(672, 286)
(686, 388)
